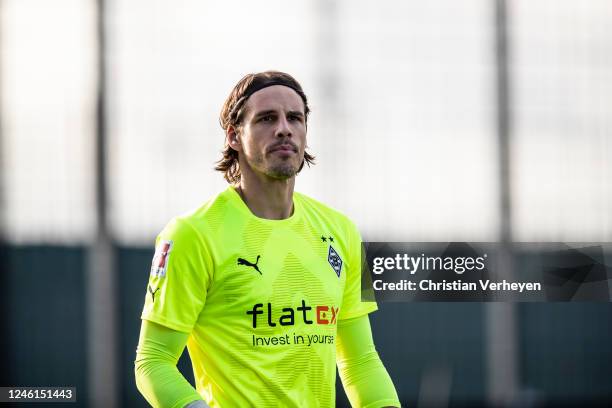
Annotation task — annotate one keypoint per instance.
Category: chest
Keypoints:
(281, 269)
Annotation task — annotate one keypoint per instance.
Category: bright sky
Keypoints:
(404, 135)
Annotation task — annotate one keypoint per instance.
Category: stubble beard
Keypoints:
(279, 170)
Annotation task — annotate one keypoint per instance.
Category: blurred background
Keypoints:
(444, 120)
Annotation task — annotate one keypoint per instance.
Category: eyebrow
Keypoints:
(271, 111)
(264, 113)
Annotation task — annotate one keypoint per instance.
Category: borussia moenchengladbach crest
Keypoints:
(334, 260)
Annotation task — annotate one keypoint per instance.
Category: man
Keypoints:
(261, 283)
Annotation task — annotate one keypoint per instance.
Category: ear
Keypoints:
(233, 139)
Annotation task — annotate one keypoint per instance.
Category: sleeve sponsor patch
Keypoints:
(161, 259)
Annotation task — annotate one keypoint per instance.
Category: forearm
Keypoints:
(364, 377)
(157, 377)
(367, 383)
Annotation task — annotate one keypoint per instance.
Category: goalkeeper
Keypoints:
(261, 283)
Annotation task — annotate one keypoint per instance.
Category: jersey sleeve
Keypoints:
(156, 374)
(180, 275)
(352, 303)
(364, 377)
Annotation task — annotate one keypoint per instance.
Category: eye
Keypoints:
(295, 117)
(266, 118)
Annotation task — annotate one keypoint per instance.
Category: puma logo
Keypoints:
(153, 293)
(242, 261)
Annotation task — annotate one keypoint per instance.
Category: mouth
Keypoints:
(284, 148)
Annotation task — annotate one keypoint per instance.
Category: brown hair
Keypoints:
(233, 111)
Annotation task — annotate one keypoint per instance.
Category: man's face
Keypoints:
(273, 132)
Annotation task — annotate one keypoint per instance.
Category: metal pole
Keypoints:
(101, 289)
(327, 53)
(329, 111)
(502, 347)
(3, 175)
(5, 376)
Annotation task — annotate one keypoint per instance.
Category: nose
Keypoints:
(283, 129)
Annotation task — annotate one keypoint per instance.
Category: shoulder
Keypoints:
(310, 204)
(198, 220)
(330, 214)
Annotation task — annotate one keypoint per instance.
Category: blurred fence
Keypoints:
(565, 356)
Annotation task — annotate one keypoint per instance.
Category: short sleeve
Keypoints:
(179, 278)
(352, 304)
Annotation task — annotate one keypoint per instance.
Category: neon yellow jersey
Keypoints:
(261, 299)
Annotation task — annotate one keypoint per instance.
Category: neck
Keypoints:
(267, 198)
